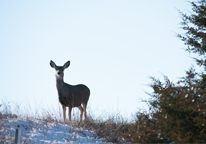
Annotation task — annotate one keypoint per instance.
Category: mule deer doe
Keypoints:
(70, 95)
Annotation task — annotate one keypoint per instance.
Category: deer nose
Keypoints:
(59, 73)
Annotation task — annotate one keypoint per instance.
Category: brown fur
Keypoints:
(70, 95)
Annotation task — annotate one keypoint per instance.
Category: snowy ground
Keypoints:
(43, 131)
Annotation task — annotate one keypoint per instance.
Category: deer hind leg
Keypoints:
(70, 111)
(84, 109)
(64, 112)
(81, 112)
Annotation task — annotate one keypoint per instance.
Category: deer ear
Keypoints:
(66, 65)
(52, 64)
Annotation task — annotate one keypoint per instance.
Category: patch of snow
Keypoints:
(44, 131)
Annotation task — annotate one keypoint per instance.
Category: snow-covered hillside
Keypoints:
(43, 131)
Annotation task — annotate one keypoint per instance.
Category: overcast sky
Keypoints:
(113, 46)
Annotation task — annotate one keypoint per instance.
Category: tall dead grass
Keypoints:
(113, 128)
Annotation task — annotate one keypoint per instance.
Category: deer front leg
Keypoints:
(64, 112)
(70, 110)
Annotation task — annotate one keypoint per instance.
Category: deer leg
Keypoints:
(81, 112)
(85, 113)
(64, 112)
(70, 111)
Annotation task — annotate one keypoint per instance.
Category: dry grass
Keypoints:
(114, 128)
(114, 131)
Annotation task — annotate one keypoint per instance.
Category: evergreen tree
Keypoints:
(178, 110)
(195, 27)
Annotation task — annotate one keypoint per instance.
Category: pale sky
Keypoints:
(113, 46)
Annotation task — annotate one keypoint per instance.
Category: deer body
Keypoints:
(70, 95)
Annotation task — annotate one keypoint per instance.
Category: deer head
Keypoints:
(59, 70)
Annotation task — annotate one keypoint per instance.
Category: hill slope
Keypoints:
(43, 131)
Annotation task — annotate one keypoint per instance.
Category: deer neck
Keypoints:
(59, 84)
